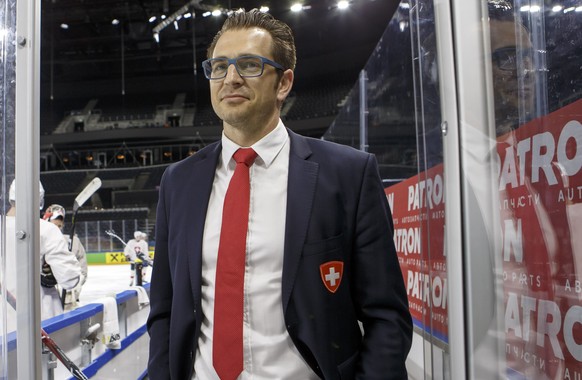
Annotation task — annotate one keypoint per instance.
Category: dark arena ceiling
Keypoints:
(84, 54)
(103, 56)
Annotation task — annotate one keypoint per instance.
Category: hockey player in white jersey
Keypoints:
(56, 215)
(58, 264)
(136, 251)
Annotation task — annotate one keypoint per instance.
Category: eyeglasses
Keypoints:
(507, 58)
(247, 66)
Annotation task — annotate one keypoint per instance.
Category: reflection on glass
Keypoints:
(403, 114)
(539, 162)
(513, 79)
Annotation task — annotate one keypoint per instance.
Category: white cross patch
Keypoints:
(331, 274)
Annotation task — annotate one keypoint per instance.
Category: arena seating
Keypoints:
(123, 191)
(133, 182)
(62, 182)
(317, 102)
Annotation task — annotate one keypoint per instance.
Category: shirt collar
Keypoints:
(267, 148)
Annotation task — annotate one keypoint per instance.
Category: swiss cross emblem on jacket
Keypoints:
(331, 274)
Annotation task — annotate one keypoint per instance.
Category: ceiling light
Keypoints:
(176, 25)
(534, 8)
(166, 21)
(264, 9)
(206, 14)
(152, 19)
(64, 26)
(296, 7)
(579, 9)
(570, 9)
(216, 12)
(115, 22)
(343, 4)
(188, 15)
(157, 37)
(557, 8)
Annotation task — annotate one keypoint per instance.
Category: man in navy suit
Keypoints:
(324, 296)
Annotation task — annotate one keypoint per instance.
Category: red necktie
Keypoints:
(227, 350)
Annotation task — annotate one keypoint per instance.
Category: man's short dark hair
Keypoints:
(284, 51)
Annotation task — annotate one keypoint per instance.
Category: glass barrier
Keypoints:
(398, 97)
(7, 168)
(534, 54)
(110, 235)
(390, 105)
(521, 187)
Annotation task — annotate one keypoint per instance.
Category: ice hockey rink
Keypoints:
(106, 280)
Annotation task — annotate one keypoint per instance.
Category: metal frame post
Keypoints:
(27, 182)
(363, 81)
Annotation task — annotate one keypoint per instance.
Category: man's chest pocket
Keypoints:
(331, 245)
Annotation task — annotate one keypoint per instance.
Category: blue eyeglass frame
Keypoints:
(510, 51)
(207, 66)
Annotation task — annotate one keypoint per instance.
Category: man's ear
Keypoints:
(285, 85)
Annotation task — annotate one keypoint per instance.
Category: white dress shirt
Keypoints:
(268, 350)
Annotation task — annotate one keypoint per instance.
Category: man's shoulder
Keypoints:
(210, 150)
(328, 148)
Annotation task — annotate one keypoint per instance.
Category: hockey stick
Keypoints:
(149, 261)
(60, 354)
(51, 345)
(80, 200)
(113, 234)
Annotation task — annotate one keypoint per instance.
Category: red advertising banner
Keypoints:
(540, 214)
(540, 196)
(418, 212)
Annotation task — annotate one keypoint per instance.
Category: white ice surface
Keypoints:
(106, 280)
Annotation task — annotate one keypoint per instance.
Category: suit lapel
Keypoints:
(300, 194)
(200, 186)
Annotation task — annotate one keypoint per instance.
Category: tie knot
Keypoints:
(245, 156)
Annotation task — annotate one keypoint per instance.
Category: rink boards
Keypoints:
(122, 317)
(115, 257)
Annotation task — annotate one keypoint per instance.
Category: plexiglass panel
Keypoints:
(7, 129)
(398, 95)
(535, 54)
(521, 187)
(390, 104)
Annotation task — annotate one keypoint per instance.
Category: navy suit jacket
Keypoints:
(336, 211)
